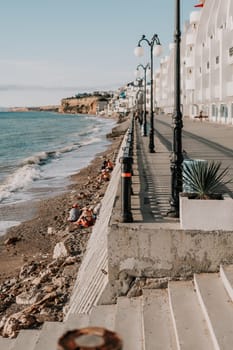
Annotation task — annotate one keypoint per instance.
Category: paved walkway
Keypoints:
(152, 175)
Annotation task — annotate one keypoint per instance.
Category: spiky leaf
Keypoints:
(204, 178)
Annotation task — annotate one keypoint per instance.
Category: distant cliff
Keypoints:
(83, 105)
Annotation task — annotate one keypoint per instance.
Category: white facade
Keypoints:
(206, 65)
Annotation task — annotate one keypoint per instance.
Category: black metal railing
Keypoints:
(126, 175)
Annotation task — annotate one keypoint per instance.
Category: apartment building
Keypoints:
(206, 65)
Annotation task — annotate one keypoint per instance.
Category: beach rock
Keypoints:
(71, 260)
(60, 251)
(49, 288)
(17, 321)
(27, 269)
(27, 298)
(69, 271)
(51, 231)
(11, 240)
(59, 281)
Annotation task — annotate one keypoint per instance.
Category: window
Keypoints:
(208, 65)
(231, 51)
(217, 59)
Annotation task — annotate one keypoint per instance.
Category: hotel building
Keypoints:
(206, 65)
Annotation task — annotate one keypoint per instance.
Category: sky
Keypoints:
(52, 49)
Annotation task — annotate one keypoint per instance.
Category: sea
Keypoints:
(38, 153)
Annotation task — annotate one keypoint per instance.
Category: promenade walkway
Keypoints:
(201, 140)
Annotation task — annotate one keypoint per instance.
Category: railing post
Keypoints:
(93, 338)
(126, 182)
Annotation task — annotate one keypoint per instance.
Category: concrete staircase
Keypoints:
(188, 315)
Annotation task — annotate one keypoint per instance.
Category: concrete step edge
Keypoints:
(190, 326)
(205, 312)
(103, 316)
(128, 323)
(226, 281)
(26, 339)
(49, 335)
(6, 343)
(157, 320)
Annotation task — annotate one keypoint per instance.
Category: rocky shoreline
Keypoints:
(40, 258)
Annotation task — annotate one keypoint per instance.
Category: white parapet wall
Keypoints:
(206, 214)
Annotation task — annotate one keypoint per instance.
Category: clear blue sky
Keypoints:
(52, 49)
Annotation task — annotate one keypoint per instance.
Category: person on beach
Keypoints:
(104, 176)
(74, 213)
(104, 164)
(86, 219)
(109, 165)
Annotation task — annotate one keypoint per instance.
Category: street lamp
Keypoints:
(177, 155)
(145, 68)
(155, 50)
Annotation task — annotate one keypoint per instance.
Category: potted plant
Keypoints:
(204, 204)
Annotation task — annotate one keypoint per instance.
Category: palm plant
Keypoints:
(204, 179)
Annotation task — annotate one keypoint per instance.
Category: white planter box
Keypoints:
(207, 215)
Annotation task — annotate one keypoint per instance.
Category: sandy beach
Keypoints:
(26, 250)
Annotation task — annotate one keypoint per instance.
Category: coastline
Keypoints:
(30, 246)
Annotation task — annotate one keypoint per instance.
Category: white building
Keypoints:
(206, 65)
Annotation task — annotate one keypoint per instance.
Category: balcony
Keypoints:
(230, 88)
(189, 62)
(216, 91)
(190, 39)
(206, 93)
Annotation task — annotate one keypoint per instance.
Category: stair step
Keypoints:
(76, 321)
(158, 328)
(49, 335)
(190, 326)
(6, 343)
(217, 308)
(26, 339)
(103, 316)
(226, 273)
(128, 322)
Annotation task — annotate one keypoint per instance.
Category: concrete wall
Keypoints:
(159, 252)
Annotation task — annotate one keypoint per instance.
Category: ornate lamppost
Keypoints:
(177, 155)
(155, 50)
(145, 68)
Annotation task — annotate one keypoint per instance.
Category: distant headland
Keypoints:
(85, 103)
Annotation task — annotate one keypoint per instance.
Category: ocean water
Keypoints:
(38, 152)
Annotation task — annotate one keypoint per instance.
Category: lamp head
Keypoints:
(157, 50)
(138, 51)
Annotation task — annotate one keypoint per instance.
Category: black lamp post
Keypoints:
(177, 155)
(156, 51)
(144, 100)
(139, 98)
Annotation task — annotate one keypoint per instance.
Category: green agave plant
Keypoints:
(204, 179)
